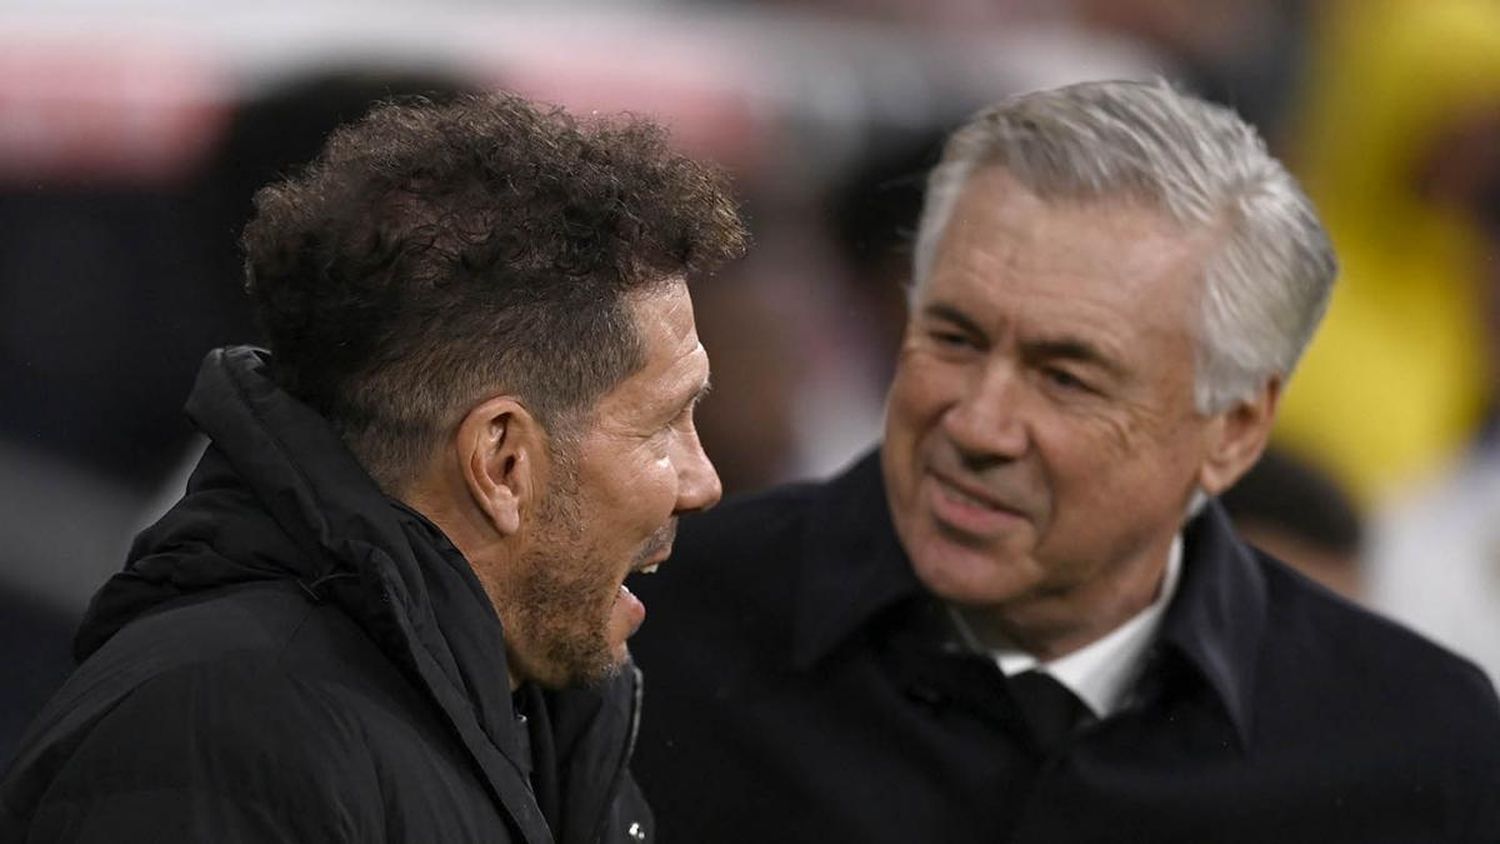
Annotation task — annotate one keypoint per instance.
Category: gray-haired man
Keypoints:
(1025, 619)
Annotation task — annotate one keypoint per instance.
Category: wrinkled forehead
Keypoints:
(1002, 225)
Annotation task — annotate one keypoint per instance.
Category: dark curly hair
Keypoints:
(436, 254)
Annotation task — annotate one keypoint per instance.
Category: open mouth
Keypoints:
(648, 567)
(628, 607)
(633, 573)
(628, 612)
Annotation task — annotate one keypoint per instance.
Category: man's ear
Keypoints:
(501, 450)
(1237, 436)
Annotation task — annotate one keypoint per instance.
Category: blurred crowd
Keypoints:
(129, 156)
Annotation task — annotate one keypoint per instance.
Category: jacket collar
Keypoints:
(1216, 621)
(855, 569)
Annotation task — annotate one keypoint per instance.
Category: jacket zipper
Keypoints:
(638, 690)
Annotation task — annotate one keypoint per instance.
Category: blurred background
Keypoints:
(133, 134)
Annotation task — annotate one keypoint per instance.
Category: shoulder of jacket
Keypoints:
(1378, 657)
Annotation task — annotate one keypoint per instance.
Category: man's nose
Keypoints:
(987, 422)
(699, 487)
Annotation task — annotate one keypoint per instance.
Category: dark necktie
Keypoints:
(1050, 709)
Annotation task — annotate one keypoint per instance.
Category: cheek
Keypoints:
(644, 497)
(903, 432)
(1086, 458)
(913, 409)
(918, 393)
(1116, 467)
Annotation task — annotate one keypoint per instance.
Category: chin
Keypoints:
(577, 676)
(571, 658)
(601, 674)
(970, 576)
(619, 657)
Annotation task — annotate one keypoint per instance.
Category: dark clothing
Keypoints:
(804, 687)
(292, 656)
(34, 661)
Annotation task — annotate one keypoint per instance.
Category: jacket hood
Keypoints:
(275, 496)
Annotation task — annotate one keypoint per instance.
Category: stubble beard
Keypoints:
(559, 606)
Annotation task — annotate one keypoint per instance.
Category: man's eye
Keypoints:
(1065, 379)
(951, 339)
(683, 421)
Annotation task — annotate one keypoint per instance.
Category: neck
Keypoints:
(474, 537)
(1055, 623)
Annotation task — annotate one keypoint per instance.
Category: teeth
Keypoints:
(651, 569)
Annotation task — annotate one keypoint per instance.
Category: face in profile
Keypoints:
(1041, 438)
(611, 505)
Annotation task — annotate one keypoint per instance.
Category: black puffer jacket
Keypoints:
(292, 656)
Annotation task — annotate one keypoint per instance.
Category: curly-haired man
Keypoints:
(474, 421)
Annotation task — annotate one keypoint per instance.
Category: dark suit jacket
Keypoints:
(802, 686)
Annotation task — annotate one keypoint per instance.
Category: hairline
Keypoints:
(564, 427)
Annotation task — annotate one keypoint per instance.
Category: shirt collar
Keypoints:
(855, 570)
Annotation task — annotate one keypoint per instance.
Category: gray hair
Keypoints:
(1266, 287)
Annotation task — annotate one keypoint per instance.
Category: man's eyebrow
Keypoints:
(1048, 348)
(1072, 348)
(702, 393)
(949, 313)
(697, 396)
